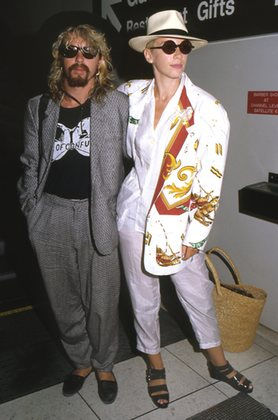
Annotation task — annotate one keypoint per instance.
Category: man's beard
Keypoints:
(77, 81)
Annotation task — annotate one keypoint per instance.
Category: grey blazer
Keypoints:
(107, 132)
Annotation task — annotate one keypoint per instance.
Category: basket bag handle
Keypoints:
(228, 262)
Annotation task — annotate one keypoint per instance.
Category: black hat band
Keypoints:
(170, 32)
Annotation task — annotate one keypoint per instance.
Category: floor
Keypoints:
(191, 388)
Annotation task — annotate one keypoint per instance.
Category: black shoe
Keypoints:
(72, 384)
(157, 392)
(107, 390)
(238, 381)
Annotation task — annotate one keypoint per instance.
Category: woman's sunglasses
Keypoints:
(70, 51)
(169, 47)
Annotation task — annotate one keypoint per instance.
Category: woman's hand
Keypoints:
(187, 252)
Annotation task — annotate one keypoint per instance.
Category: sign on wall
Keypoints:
(262, 102)
(209, 19)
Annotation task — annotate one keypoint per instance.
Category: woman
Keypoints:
(177, 137)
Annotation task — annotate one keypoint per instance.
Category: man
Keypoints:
(72, 173)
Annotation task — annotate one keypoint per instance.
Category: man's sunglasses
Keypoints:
(169, 47)
(70, 51)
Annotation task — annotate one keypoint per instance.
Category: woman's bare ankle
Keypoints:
(155, 361)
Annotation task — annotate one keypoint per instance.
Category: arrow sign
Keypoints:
(108, 12)
(211, 19)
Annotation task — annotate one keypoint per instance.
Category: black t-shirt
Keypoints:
(69, 175)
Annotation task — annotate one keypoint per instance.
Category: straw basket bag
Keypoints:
(238, 306)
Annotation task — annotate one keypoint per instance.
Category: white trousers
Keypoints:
(193, 288)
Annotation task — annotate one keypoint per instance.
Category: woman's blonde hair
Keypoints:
(95, 39)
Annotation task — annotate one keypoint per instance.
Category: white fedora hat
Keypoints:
(168, 23)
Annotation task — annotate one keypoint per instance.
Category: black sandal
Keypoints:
(221, 372)
(153, 374)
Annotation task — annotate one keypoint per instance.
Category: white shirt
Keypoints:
(149, 145)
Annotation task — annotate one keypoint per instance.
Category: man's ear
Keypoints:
(101, 61)
(101, 64)
(148, 55)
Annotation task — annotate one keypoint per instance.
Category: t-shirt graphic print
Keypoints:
(76, 138)
(69, 175)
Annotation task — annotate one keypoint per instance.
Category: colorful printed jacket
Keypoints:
(190, 166)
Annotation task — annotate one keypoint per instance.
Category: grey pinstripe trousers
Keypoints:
(83, 286)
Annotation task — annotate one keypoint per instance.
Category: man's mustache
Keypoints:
(76, 66)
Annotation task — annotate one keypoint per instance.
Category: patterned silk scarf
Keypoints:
(183, 120)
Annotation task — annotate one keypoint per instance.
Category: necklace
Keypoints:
(71, 97)
(83, 132)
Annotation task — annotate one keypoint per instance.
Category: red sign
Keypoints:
(263, 102)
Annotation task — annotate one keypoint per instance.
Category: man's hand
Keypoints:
(188, 252)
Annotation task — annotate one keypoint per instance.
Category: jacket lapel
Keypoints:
(137, 103)
(96, 129)
(49, 126)
(181, 124)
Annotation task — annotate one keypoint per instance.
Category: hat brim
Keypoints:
(139, 43)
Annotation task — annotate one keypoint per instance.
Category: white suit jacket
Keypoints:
(173, 190)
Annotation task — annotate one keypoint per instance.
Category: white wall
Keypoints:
(229, 70)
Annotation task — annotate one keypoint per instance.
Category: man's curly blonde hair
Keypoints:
(95, 39)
